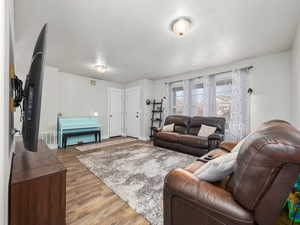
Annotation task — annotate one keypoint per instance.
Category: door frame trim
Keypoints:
(138, 88)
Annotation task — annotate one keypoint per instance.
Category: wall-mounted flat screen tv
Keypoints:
(32, 94)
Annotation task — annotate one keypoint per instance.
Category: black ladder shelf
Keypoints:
(156, 116)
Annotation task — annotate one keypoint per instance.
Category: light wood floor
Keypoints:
(90, 201)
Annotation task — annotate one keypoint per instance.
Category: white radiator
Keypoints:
(50, 138)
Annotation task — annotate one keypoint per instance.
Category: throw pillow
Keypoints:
(205, 131)
(168, 128)
(218, 168)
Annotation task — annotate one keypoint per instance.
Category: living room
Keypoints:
(140, 102)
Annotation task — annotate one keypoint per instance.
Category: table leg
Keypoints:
(66, 139)
(63, 141)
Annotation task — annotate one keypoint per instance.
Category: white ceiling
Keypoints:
(133, 37)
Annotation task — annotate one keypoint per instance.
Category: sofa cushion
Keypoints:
(168, 128)
(197, 121)
(181, 123)
(194, 141)
(205, 131)
(168, 136)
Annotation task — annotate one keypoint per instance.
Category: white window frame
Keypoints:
(188, 96)
(195, 82)
(173, 100)
(221, 78)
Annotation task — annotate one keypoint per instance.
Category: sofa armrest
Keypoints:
(157, 129)
(214, 140)
(227, 146)
(216, 136)
(206, 197)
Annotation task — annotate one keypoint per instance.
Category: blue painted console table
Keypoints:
(75, 130)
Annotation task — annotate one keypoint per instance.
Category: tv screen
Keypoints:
(33, 94)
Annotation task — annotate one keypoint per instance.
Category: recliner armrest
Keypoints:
(228, 146)
(207, 197)
(214, 140)
(157, 129)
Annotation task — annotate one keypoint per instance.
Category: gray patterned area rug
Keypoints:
(136, 173)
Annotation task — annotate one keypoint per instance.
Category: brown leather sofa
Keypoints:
(185, 139)
(268, 165)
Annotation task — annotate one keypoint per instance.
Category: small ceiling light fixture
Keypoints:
(181, 25)
(101, 68)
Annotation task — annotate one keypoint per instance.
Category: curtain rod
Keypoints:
(230, 71)
(219, 73)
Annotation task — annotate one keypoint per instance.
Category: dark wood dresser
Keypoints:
(38, 187)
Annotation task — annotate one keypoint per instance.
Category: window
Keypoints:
(218, 92)
(197, 107)
(177, 100)
(223, 98)
(212, 95)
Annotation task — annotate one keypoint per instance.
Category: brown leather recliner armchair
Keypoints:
(267, 166)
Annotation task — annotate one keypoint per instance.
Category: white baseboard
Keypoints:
(144, 138)
(104, 138)
(50, 142)
(52, 146)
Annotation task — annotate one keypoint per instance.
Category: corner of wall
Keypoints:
(295, 80)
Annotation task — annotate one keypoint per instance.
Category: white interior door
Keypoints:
(115, 100)
(133, 111)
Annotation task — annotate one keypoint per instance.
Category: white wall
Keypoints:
(50, 98)
(270, 80)
(147, 92)
(71, 95)
(295, 81)
(5, 156)
(79, 98)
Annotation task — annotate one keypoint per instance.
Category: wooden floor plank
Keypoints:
(89, 200)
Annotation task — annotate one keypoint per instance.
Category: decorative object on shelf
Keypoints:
(148, 102)
(250, 91)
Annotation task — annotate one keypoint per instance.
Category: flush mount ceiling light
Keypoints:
(101, 68)
(181, 25)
